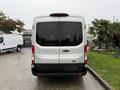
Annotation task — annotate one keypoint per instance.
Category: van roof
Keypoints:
(69, 15)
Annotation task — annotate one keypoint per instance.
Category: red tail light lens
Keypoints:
(33, 49)
(85, 54)
(33, 62)
(33, 54)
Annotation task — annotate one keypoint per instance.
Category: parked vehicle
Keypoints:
(27, 40)
(59, 45)
(10, 42)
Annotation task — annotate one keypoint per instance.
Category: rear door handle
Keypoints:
(66, 50)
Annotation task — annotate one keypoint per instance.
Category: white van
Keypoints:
(10, 42)
(59, 45)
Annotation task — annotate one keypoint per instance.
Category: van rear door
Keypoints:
(71, 40)
(47, 43)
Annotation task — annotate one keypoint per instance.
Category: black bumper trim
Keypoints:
(59, 68)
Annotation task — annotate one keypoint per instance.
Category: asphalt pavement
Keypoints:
(15, 74)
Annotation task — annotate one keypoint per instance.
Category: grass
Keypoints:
(106, 66)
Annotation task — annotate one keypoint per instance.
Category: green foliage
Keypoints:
(7, 24)
(107, 32)
(106, 66)
(115, 33)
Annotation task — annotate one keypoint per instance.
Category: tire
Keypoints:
(18, 49)
(33, 72)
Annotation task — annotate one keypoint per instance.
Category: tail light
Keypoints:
(33, 55)
(85, 54)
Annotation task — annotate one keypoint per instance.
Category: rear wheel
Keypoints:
(33, 72)
(18, 49)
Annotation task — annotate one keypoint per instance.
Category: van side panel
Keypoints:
(10, 42)
(13, 40)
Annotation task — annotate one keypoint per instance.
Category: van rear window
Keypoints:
(59, 33)
(70, 33)
(47, 34)
(1, 39)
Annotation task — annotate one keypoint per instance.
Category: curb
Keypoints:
(97, 77)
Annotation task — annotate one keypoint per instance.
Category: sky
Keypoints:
(26, 10)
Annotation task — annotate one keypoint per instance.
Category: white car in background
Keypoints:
(59, 45)
(10, 42)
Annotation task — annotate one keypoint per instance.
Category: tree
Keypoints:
(100, 28)
(7, 24)
(114, 33)
(2, 20)
(20, 25)
(107, 32)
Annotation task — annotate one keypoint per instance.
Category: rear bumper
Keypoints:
(58, 69)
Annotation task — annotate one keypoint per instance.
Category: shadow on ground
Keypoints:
(61, 83)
